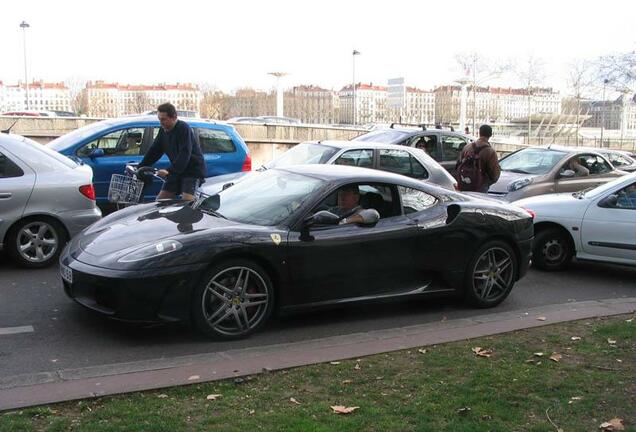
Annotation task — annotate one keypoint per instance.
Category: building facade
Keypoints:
(419, 108)
(43, 96)
(312, 104)
(618, 114)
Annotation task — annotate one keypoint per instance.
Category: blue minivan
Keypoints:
(108, 146)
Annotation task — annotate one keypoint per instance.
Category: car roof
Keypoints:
(566, 149)
(151, 118)
(344, 172)
(359, 144)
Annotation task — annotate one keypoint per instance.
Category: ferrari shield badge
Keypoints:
(276, 238)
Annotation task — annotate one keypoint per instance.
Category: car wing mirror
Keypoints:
(609, 201)
(322, 217)
(568, 173)
(95, 153)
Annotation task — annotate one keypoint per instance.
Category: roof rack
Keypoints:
(421, 125)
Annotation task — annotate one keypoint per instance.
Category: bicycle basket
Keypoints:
(124, 189)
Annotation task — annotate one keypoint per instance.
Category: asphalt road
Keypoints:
(65, 336)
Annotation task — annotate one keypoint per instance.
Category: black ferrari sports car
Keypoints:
(282, 241)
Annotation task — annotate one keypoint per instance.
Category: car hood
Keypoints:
(214, 185)
(505, 179)
(123, 234)
(554, 205)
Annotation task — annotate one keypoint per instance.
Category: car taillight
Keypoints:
(530, 212)
(247, 164)
(88, 191)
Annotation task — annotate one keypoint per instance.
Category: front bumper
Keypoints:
(159, 295)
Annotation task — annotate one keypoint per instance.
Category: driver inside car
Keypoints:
(349, 208)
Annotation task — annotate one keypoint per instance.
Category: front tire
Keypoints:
(490, 275)
(552, 250)
(233, 300)
(36, 242)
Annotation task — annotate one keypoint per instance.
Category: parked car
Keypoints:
(45, 198)
(108, 146)
(543, 170)
(408, 161)
(598, 224)
(226, 261)
(442, 145)
(622, 160)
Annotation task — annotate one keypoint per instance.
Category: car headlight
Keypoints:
(519, 184)
(161, 248)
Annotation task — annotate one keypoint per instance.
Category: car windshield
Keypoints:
(265, 199)
(532, 161)
(62, 142)
(306, 153)
(390, 136)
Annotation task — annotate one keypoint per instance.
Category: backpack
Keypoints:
(469, 173)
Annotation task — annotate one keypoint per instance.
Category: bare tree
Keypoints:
(581, 80)
(618, 69)
(76, 88)
(480, 70)
(141, 103)
(532, 73)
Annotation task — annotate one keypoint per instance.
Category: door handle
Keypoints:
(5, 195)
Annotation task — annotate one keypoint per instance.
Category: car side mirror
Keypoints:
(95, 153)
(322, 217)
(609, 201)
(568, 173)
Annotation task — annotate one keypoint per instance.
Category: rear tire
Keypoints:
(233, 300)
(36, 242)
(552, 250)
(490, 275)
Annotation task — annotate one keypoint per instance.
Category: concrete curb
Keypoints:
(70, 384)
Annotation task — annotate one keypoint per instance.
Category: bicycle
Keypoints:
(128, 189)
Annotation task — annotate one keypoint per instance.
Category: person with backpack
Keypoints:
(478, 166)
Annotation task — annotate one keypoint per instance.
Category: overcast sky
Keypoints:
(231, 44)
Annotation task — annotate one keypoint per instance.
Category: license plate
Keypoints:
(66, 273)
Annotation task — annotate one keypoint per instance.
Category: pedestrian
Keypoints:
(176, 140)
(466, 130)
(478, 166)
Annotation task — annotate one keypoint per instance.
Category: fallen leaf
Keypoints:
(334, 362)
(614, 424)
(421, 351)
(486, 417)
(379, 378)
(611, 341)
(340, 409)
(252, 412)
(576, 338)
(574, 399)
(194, 377)
(619, 360)
(162, 396)
(538, 354)
(213, 397)
(292, 400)
(357, 366)
(463, 411)
(556, 357)
(629, 320)
(541, 318)
(347, 381)
(481, 352)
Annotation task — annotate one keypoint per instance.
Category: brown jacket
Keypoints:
(488, 155)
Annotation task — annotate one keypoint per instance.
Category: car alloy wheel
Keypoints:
(235, 301)
(493, 274)
(37, 242)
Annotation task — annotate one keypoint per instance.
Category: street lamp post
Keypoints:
(24, 25)
(603, 108)
(279, 93)
(354, 54)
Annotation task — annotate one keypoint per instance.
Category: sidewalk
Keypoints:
(69, 384)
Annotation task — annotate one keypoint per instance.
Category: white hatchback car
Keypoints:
(597, 224)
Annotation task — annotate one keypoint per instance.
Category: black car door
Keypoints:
(335, 263)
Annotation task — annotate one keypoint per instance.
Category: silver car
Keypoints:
(45, 198)
(408, 161)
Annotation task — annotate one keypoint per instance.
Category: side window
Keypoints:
(596, 164)
(124, 142)
(359, 158)
(9, 169)
(348, 198)
(214, 141)
(428, 143)
(452, 146)
(414, 200)
(401, 162)
(627, 197)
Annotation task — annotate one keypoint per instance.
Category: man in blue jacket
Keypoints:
(176, 140)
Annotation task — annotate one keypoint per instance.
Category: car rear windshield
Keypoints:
(390, 136)
(532, 161)
(306, 153)
(265, 199)
(51, 153)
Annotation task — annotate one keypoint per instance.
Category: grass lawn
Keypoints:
(437, 388)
